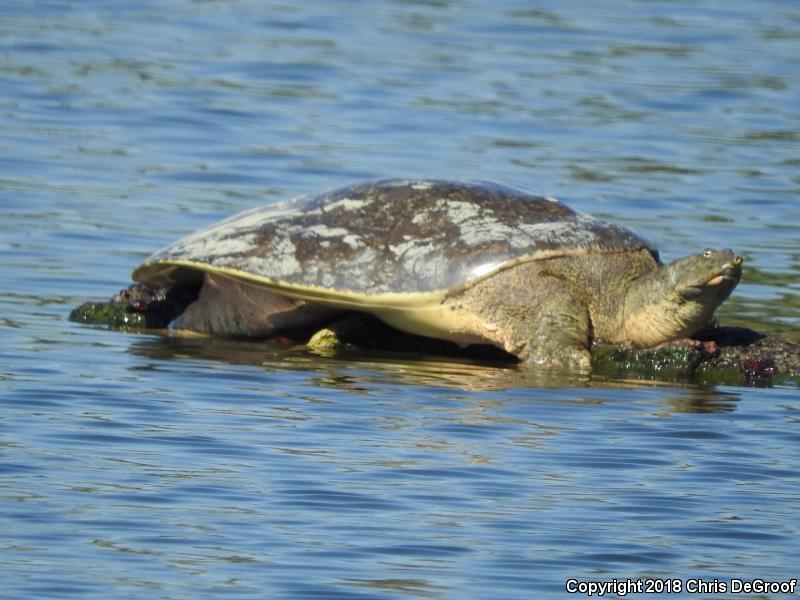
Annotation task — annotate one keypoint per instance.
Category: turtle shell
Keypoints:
(387, 237)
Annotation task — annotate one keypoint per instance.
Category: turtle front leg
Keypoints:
(554, 331)
(541, 321)
(558, 344)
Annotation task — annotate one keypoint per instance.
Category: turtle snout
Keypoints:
(730, 272)
(733, 268)
(726, 257)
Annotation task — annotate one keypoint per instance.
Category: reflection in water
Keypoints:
(351, 366)
(355, 371)
(696, 400)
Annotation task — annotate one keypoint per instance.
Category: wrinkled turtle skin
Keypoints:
(469, 263)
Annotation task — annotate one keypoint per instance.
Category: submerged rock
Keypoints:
(718, 355)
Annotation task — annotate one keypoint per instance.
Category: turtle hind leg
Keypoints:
(538, 318)
(228, 307)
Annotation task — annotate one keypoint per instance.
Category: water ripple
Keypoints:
(142, 466)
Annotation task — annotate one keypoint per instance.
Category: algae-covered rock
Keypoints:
(754, 359)
(137, 307)
(719, 355)
(675, 360)
(114, 315)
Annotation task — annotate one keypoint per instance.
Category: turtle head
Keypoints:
(707, 278)
(679, 298)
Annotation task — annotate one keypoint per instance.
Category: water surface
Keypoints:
(143, 466)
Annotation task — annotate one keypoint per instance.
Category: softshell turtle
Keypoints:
(470, 263)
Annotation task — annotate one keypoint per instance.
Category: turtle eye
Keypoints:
(708, 252)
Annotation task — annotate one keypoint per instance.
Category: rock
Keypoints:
(137, 307)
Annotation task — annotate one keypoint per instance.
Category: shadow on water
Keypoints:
(355, 371)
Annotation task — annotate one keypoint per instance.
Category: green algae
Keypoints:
(110, 314)
(669, 362)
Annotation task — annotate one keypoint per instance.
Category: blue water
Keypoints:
(143, 466)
